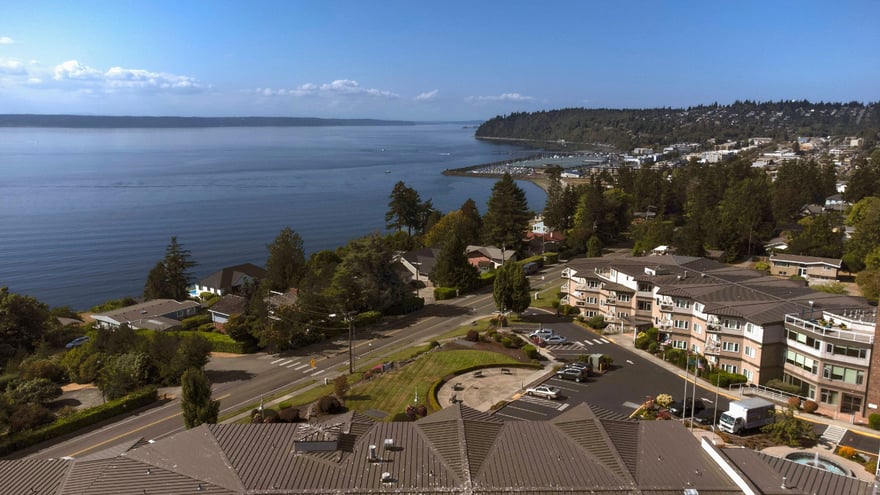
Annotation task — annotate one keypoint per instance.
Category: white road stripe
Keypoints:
(285, 363)
(588, 342)
(318, 372)
(598, 341)
(273, 362)
(301, 366)
(525, 410)
(292, 365)
(605, 341)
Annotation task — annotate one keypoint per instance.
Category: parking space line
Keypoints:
(507, 416)
(564, 407)
(525, 410)
(563, 387)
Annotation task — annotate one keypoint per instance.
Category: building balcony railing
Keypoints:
(827, 332)
(564, 289)
(713, 327)
(665, 307)
(610, 300)
(713, 349)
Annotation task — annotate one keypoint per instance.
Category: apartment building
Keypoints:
(740, 319)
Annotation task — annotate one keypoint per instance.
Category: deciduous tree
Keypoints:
(511, 290)
(23, 323)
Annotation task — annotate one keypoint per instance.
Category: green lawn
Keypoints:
(393, 391)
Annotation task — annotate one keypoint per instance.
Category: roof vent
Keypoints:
(373, 455)
(386, 477)
(389, 444)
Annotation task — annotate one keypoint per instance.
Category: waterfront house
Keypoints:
(225, 308)
(229, 279)
(157, 314)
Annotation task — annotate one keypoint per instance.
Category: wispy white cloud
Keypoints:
(339, 87)
(427, 95)
(11, 66)
(76, 74)
(501, 97)
(6, 40)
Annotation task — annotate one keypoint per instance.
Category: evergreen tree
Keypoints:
(171, 276)
(511, 290)
(365, 279)
(452, 268)
(406, 210)
(472, 228)
(287, 261)
(196, 402)
(507, 215)
(556, 212)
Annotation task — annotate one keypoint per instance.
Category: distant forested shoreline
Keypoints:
(111, 121)
(629, 128)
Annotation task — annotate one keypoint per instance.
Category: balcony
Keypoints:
(712, 349)
(713, 327)
(833, 332)
(611, 300)
(666, 307)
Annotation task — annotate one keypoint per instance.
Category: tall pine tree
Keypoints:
(507, 216)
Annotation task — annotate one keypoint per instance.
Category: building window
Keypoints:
(750, 351)
(646, 287)
(591, 300)
(802, 361)
(842, 350)
(682, 303)
(679, 344)
(593, 284)
(730, 368)
(699, 307)
(730, 346)
(804, 339)
(747, 374)
(850, 404)
(828, 396)
(750, 328)
(624, 297)
(590, 313)
(846, 375)
(698, 329)
(732, 324)
(681, 324)
(644, 306)
(623, 315)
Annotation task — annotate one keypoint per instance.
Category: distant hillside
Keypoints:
(627, 129)
(88, 121)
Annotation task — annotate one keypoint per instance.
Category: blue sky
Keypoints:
(420, 60)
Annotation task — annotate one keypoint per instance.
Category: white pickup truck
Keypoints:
(543, 391)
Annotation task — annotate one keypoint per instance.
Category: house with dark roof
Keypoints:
(740, 320)
(488, 258)
(229, 279)
(227, 307)
(157, 314)
(454, 451)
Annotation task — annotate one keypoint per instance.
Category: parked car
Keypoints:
(77, 342)
(541, 333)
(682, 409)
(555, 339)
(570, 373)
(580, 365)
(543, 391)
(708, 416)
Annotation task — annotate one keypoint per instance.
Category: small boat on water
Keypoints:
(388, 171)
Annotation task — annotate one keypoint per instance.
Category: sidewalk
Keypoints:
(627, 341)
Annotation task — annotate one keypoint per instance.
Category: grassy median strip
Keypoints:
(391, 392)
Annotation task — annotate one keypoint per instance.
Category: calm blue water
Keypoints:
(86, 213)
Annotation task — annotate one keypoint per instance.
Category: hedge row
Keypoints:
(78, 420)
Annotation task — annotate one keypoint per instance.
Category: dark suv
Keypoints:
(570, 373)
(683, 410)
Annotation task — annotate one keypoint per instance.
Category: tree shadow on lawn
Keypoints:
(225, 376)
(359, 397)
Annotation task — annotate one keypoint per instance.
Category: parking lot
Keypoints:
(631, 378)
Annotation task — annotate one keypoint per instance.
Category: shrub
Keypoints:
(663, 400)
(653, 347)
(422, 410)
(289, 414)
(794, 402)
(871, 466)
(874, 421)
(810, 406)
(434, 344)
(785, 387)
(329, 405)
(472, 335)
(762, 266)
(597, 322)
(41, 368)
(340, 386)
(367, 318)
(194, 322)
(846, 452)
(443, 293)
(531, 352)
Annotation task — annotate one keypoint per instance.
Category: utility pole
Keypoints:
(350, 343)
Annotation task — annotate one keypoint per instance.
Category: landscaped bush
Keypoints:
(531, 351)
(329, 405)
(653, 347)
(194, 322)
(874, 421)
(871, 466)
(597, 322)
(472, 335)
(663, 400)
(810, 406)
(846, 452)
(762, 266)
(551, 258)
(367, 318)
(785, 387)
(794, 402)
(443, 293)
(41, 368)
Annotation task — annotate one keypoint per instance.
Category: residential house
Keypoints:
(229, 279)
(811, 210)
(418, 264)
(457, 450)
(157, 314)
(488, 258)
(811, 268)
(739, 319)
(835, 202)
(225, 308)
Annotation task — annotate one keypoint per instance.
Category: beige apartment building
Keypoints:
(741, 320)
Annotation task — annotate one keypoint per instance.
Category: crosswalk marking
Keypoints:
(273, 362)
(605, 341)
(292, 365)
(318, 372)
(304, 365)
(588, 342)
(285, 363)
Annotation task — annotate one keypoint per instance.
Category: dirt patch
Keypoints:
(73, 387)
